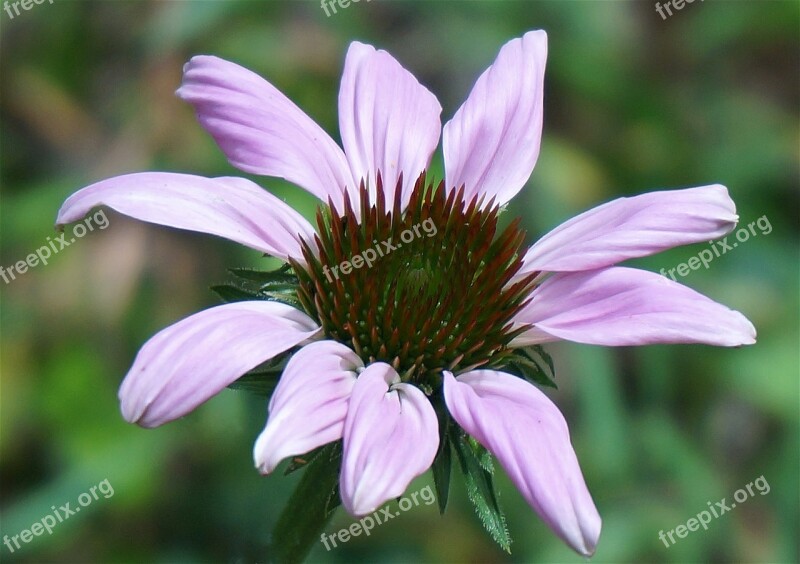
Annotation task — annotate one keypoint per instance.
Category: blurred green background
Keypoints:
(632, 103)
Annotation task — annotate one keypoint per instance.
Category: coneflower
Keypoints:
(404, 346)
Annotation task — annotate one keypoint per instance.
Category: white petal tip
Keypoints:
(264, 455)
(582, 535)
(139, 416)
(361, 509)
(742, 332)
(538, 34)
(589, 545)
(130, 412)
(263, 468)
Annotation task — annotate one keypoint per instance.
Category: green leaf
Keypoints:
(310, 507)
(480, 487)
(483, 456)
(266, 279)
(532, 363)
(230, 293)
(441, 468)
(263, 379)
(256, 384)
(298, 462)
(284, 298)
(441, 474)
(275, 285)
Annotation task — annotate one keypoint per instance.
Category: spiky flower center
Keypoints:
(424, 290)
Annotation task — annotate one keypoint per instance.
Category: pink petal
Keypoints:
(260, 130)
(187, 363)
(389, 122)
(233, 208)
(308, 407)
(528, 435)
(492, 143)
(626, 306)
(391, 435)
(634, 227)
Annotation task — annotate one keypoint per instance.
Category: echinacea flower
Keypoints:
(392, 356)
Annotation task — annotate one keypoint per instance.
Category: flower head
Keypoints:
(411, 343)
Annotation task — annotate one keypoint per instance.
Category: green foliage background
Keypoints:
(632, 103)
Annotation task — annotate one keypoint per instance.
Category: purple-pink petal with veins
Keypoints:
(389, 122)
(261, 131)
(492, 143)
(619, 306)
(527, 433)
(229, 207)
(391, 435)
(187, 363)
(309, 404)
(633, 227)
